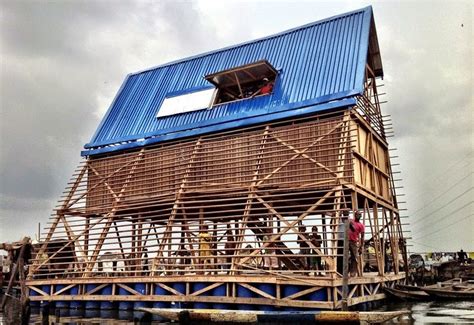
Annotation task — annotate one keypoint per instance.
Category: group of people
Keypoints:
(310, 245)
(207, 244)
(311, 252)
(460, 256)
(355, 234)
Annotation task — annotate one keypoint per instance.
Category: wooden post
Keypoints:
(86, 235)
(345, 268)
(17, 268)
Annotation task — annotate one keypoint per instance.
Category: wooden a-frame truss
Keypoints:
(264, 214)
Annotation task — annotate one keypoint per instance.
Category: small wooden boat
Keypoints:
(453, 289)
(450, 292)
(241, 316)
(407, 293)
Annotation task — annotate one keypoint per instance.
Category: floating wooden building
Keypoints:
(203, 182)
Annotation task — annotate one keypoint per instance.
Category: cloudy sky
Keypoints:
(63, 61)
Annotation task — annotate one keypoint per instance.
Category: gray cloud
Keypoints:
(428, 61)
(61, 64)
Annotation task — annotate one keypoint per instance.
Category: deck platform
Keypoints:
(300, 292)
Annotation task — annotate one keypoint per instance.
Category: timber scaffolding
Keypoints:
(215, 220)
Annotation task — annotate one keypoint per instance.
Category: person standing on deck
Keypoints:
(205, 246)
(229, 249)
(144, 262)
(388, 256)
(462, 256)
(356, 242)
(304, 247)
(316, 240)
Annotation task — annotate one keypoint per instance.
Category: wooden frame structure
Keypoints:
(226, 211)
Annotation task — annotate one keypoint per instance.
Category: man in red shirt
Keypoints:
(267, 87)
(356, 233)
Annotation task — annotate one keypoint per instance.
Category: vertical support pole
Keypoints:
(394, 242)
(183, 234)
(378, 242)
(345, 269)
(341, 168)
(117, 234)
(86, 236)
(187, 234)
(324, 243)
(383, 239)
(133, 255)
(360, 260)
(21, 274)
(140, 245)
(335, 234)
(214, 243)
(200, 261)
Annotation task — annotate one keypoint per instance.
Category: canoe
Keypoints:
(241, 316)
(451, 290)
(407, 295)
(449, 293)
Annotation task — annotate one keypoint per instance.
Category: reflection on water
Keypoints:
(447, 312)
(92, 316)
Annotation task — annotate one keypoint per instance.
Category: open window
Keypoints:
(247, 81)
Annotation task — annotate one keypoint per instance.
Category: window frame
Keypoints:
(271, 73)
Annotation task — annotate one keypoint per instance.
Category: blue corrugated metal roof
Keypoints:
(317, 63)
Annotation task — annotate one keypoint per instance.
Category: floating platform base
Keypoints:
(264, 293)
(219, 316)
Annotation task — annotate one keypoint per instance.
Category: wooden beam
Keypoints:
(303, 293)
(257, 291)
(276, 170)
(206, 289)
(248, 205)
(291, 225)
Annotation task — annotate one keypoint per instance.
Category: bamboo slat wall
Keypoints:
(226, 162)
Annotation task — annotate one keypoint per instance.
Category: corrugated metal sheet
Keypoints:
(317, 63)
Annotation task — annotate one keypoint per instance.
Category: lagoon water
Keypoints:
(433, 312)
(439, 312)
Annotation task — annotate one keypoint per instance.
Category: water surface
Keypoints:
(431, 312)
